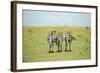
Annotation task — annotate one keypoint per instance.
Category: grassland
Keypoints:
(35, 44)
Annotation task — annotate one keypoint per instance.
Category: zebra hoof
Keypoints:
(66, 50)
(52, 51)
(49, 52)
(70, 50)
(58, 51)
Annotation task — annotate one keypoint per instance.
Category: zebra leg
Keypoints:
(66, 45)
(70, 47)
(49, 48)
(61, 48)
(52, 47)
(58, 48)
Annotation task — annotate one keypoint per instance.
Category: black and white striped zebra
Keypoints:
(59, 41)
(51, 40)
(68, 41)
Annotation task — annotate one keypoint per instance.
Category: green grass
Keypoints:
(35, 45)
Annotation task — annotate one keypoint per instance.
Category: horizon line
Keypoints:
(56, 26)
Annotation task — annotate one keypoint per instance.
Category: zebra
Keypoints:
(68, 41)
(51, 40)
(59, 41)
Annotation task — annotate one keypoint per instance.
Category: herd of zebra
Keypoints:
(57, 38)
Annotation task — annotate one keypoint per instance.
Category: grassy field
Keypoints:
(35, 44)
